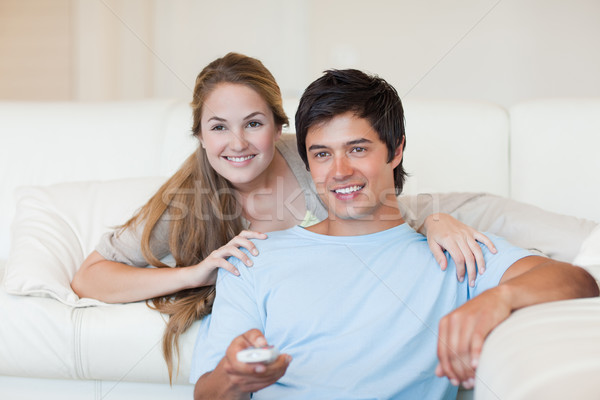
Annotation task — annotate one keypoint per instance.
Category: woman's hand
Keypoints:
(205, 272)
(447, 233)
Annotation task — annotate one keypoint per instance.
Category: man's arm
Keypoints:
(235, 380)
(530, 280)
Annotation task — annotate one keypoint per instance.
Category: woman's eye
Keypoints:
(217, 128)
(254, 124)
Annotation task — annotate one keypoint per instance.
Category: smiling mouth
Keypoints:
(240, 159)
(349, 189)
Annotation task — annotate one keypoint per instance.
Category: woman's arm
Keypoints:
(115, 282)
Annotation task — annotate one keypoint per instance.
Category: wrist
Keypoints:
(184, 277)
(430, 219)
(504, 296)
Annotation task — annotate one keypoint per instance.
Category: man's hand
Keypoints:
(530, 280)
(232, 379)
(462, 333)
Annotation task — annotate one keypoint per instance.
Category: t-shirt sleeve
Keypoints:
(235, 311)
(124, 246)
(496, 264)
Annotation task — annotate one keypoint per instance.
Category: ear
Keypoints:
(398, 154)
(201, 142)
(278, 133)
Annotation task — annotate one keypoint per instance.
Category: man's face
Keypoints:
(348, 163)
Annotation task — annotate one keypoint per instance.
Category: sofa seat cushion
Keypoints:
(44, 338)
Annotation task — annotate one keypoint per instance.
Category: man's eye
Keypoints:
(358, 149)
(321, 154)
(254, 124)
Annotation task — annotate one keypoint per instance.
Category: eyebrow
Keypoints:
(350, 143)
(251, 115)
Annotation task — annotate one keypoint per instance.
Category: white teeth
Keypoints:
(239, 159)
(347, 190)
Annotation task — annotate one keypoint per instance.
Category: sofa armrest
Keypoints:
(548, 351)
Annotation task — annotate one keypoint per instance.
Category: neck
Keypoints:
(385, 217)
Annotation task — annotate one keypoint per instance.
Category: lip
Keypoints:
(239, 160)
(347, 192)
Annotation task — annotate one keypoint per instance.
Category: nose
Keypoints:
(343, 168)
(238, 141)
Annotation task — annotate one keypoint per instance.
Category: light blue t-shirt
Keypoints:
(358, 314)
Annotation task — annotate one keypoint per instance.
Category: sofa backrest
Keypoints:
(451, 146)
(555, 155)
(456, 146)
(47, 143)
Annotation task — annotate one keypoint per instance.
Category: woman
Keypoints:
(243, 175)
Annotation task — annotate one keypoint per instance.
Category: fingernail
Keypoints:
(254, 252)
(260, 368)
(249, 262)
(454, 382)
(461, 279)
(261, 341)
(475, 363)
(472, 283)
(288, 359)
(471, 382)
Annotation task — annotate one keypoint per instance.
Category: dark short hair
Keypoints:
(367, 96)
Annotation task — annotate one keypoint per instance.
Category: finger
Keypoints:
(264, 375)
(226, 265)
(476, 347)
(479, 259)
(239, 241)
(252, 234)
(459, 260)
(443, 351)
(255, 337)
(438, 254)
(467, 253)
(459, 338)
(239, 254)
(481, 238)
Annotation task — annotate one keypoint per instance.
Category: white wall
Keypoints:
(503, 51)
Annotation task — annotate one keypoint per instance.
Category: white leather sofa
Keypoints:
(69, 171)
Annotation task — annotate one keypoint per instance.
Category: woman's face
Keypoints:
(238, 132)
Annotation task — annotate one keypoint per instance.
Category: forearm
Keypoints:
(113, 282)
(549, 281)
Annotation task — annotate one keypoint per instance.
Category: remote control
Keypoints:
(266, 355)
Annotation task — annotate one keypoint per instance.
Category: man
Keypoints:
(357, 298)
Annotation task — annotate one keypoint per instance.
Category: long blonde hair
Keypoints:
(200, 205)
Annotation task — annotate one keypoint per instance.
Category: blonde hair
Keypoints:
(201, 205)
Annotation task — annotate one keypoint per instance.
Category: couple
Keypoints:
(237, 117)
(354, 301)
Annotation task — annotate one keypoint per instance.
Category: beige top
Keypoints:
(125, 247)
